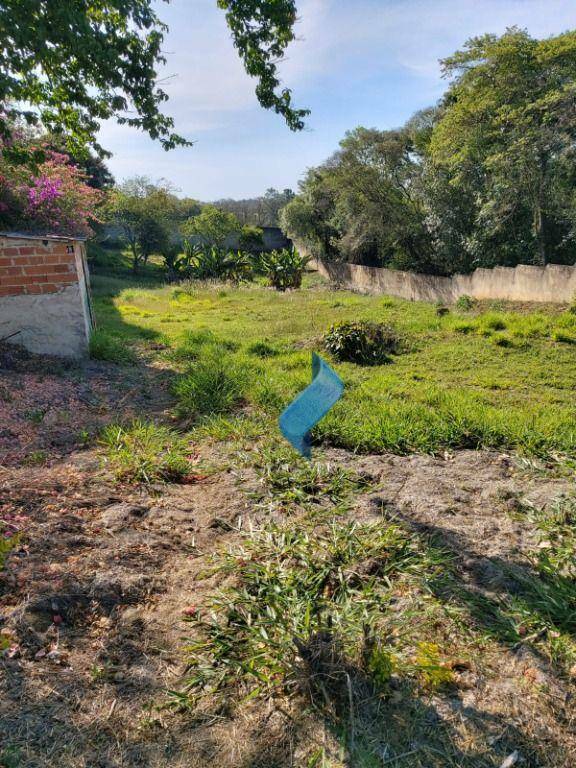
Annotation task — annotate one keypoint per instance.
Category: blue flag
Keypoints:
(311, 405)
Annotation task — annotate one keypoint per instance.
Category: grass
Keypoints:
(146, 452)
(305, 612)
(499, 378)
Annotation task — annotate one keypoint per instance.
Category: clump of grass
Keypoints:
(215, 383)
(302, 613)
(290, 480)
(107, 346)
(145, 452)
(492, 322)
(196, 342)
(465, 303)
(263, 349)
(563, 337)
(464, 327)
(502, 340)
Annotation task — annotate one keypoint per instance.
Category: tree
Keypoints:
(508, 131)
(363, 204)
(77, 63)
(251, 238)
(212, 227)
(52, 196)
(145, 213)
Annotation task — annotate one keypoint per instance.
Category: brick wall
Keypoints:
(44, 295)
(35, 266)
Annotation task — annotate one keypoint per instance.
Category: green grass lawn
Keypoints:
(481, 378)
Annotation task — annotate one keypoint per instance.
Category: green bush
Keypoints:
(105, 346)
(145, 452)
(215, 383)
(363, 343)
(465, 303)
(283, 269)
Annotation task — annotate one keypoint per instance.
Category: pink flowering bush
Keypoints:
(51, 196)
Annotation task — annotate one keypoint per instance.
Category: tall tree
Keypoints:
(76, 63)
(211, 226)
(508, 125)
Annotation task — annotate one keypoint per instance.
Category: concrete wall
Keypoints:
(553, 283)
(44, 295)
(48, 323)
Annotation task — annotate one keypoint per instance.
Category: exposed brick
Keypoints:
(5, 261)
(11, 290)
(26, 250)
(37, 269)
(5, 271)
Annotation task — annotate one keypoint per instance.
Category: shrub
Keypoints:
(283, 269)
(465, 303)
(205, 263)
(214, 384)
(363, 343)
(145, 452)
(105, 346)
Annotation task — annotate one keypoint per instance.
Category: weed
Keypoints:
(301, 614)
(262, 349)
(465, 303)
(362, 342)
(563, 338)
(288, 479)
(502, 340)
(215, 383)
(107, 346)
(145, 452)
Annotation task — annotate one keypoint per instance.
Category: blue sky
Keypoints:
(356, 62)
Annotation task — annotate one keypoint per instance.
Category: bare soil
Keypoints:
(93, 598)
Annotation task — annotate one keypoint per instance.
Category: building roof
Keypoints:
(41, 236)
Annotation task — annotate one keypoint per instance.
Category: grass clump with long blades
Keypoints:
(288, 479)
(144, 452)
(304, 614)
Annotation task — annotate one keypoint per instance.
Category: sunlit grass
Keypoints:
(483, 377)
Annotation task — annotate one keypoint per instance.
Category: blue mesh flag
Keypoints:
(311, 405)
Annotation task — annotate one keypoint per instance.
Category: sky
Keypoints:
(355, 62)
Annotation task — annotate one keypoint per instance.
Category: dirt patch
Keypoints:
(49, 408)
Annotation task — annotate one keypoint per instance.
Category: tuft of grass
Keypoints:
(215, 383)
(288, 479)
(302, 613)
(263, 349)
(144, 452)
(110, 347)
(563, 337)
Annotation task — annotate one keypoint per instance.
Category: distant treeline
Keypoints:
(484, 178)
(260, 211)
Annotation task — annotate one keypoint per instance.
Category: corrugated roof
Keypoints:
(41, 236)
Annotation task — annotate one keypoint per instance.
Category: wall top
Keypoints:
(42, 236)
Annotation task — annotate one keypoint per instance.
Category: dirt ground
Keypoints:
(94, 596)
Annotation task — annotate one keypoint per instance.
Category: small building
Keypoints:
(44, 293)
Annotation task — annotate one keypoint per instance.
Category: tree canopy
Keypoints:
(485, 177)
(73, 64)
